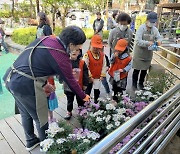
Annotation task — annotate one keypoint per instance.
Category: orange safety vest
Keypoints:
(81, 66)
(119, 64)
(95, 65)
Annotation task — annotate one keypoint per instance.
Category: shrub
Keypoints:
(5, 14)
(57, 31)
(25, 36)
(160, 82)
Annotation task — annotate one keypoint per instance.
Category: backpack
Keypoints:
(40, 32)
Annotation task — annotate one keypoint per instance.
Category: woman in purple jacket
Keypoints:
(46, 56)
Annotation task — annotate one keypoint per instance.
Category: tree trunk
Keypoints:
(53, 17)
(31, 9)
(12, 13)
(37, 4)
(107, 8)
(64, 13)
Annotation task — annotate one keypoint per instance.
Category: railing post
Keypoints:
(173, 59)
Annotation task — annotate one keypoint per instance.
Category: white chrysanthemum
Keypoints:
(46, 144)
(117, 123)
(110, 107)
(127, 118)
(108, 118)
(122, 116)
(116, 117)
(92, 114)
(147, 88)
(61, 140)
(79, 136)
(71, 136)
(98, 119)
(54, 129)
(138, 93)
(143, 97)
(155, 96)
(121, 110)
(147, 93)
(109, 126)
(86, 141)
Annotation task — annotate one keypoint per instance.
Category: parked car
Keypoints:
(78, 14)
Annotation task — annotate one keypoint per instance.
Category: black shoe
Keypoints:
(141, 86)
(32, 144)
(68, 116)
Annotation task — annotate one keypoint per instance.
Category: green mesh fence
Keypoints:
(6, 99)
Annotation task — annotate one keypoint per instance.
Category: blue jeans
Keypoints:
(4, 45)
(105, 84)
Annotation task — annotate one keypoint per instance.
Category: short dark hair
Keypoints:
(124, 17)
(98, 13)
(114, 14)
(72, 34)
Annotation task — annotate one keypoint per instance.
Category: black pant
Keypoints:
(96, 92)
(70, 100)
(116, 90)
(141, 78)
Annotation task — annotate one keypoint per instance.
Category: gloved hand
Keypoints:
(87, 98)
(154, 46)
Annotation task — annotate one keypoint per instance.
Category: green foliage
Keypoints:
(24, 36)
(5, 14)
(105, 34)
(160, 82)
(89, 32)
(57, 31)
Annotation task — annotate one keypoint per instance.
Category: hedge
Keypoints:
(25, 36)
(5, 14)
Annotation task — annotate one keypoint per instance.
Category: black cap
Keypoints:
(152, 17)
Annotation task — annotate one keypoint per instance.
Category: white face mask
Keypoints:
(123, 27)
(149, 24)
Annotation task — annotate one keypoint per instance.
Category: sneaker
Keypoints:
(68, 116)
(141, 86)
(33, 144)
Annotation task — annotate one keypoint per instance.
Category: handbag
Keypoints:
(52, 101)
(117, 75)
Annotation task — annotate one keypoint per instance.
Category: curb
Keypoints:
(14, 47)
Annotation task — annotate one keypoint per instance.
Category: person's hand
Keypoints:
(50, 88)
(121, 70)
(84, 87)
(151, 43)
(158, 43)
(87, 98)
(91, 79)
(101, 78)
(116, 54)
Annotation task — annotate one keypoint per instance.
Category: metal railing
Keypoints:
(162, 57)
(171, 125)
(167, 60)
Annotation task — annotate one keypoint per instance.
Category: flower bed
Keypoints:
(98, 120)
